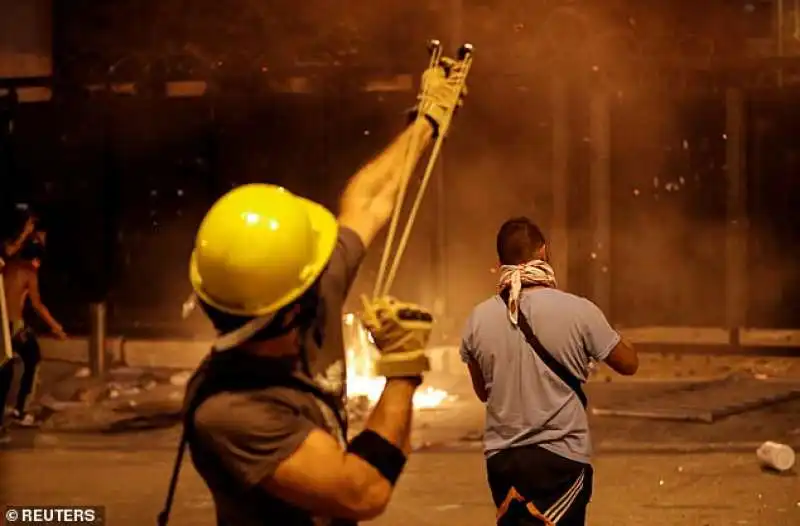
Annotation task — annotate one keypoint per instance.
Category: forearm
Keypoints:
(48, 318)
(392, 415)
(370, 196)
(386, 169)
(364, 489)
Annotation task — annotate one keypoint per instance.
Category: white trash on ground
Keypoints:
(773, 455)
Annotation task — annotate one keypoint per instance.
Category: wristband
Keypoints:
(412, 117)
(378, 452)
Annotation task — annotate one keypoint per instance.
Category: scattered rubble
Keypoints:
(126, 397)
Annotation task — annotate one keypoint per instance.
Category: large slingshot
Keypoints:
(381, 286)
(387, 272)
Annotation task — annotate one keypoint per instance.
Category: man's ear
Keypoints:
(542, 253)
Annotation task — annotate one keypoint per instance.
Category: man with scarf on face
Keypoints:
(265, 418)
(528, 349)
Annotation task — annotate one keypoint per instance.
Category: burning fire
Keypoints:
(361, 379)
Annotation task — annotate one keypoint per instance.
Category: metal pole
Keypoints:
(97, 338)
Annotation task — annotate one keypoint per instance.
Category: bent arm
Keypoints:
(369, 198)
(322, 478)
(266, 444)
(604, 344)
(39, 306)
(10, 248)
(623, 358)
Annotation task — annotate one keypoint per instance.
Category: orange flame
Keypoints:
(361, 379)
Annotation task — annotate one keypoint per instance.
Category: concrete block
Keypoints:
(178, 354)
(76, 350)
(769, 338)
(677, 335)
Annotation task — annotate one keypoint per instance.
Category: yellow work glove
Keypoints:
(442, 91)
(401, 332)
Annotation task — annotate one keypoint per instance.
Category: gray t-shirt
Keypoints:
(239, 438)
(528, 404)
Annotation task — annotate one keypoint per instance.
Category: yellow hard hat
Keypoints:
(259, 248)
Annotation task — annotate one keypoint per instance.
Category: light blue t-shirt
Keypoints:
(528, 404)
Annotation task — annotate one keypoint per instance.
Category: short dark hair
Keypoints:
(518, 240)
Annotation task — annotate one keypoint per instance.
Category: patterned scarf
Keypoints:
(533, 273)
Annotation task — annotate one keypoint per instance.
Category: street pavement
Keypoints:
(703, 474)
(459, 420)
(438, 488)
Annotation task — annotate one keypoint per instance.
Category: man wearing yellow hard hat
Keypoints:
(272, 270)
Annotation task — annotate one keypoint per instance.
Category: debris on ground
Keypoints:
(775, 456)
(706, 401)
(124, 398)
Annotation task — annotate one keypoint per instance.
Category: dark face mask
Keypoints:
(32, 250)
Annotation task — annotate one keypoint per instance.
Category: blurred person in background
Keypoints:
(21, 279)
(11, 246)
(265, 424)
(528, 350)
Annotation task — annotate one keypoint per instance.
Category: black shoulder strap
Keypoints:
(557, 367)
(205, 384)
(195, 398)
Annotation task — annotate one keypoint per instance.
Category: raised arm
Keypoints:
(10, 248)
(369, 198)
